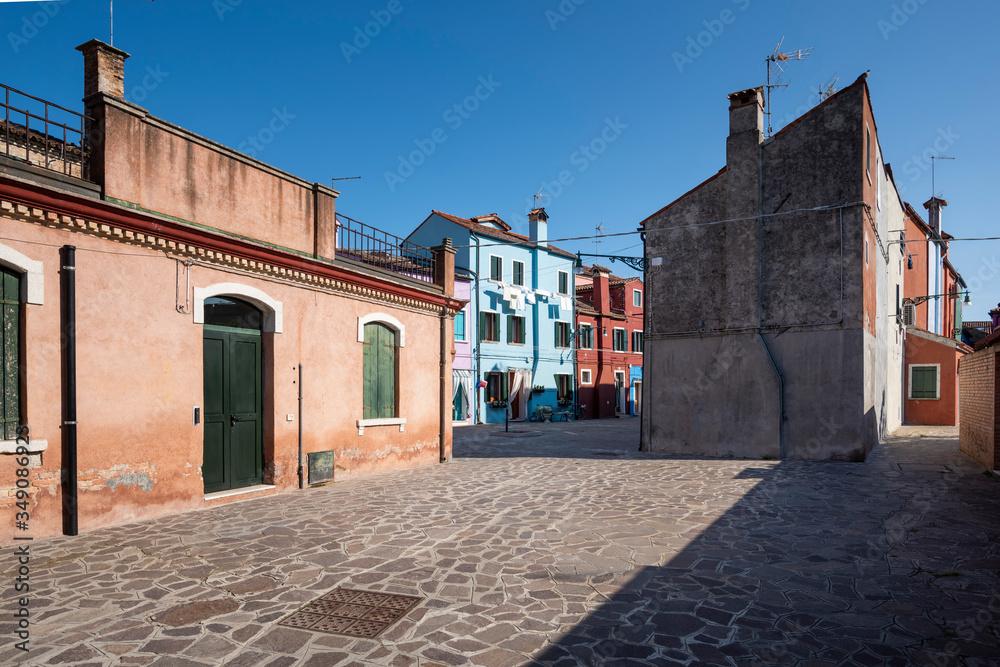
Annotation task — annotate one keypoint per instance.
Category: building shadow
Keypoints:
(844, 564)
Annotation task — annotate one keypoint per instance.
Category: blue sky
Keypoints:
(535, 82)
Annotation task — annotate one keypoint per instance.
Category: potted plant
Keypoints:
(565, 401)
(498, 404)
(538, 389)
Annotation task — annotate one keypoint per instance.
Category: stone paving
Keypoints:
(561, 545)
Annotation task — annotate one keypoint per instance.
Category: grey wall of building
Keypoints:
(796, 278)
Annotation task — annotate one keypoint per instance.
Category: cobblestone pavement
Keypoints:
(564, 548)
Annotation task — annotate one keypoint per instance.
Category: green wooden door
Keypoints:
(233, 456)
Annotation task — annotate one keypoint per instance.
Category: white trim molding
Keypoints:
(385, 319)
(909, 389)
(271, 308)
(33, 446)
(33, 285)
(392, 421)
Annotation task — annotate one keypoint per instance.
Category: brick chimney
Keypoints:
(934, 206)
(995, 316)
(602, 290)
(538, 227)
(103, 69)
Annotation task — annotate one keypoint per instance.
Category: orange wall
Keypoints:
(174, 172)
(140, 376)
(915, 279)
(943, 410)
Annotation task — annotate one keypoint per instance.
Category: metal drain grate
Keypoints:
(352, 613)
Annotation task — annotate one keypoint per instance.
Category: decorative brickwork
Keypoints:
(979, 411)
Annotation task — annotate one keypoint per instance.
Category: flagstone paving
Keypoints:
(567, 548)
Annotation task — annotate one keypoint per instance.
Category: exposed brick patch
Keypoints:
(979, 412)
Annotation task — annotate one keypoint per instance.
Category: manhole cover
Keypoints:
(352, 613)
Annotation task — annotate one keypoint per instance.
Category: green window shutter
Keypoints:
(10, 296)
(503, 386)
(924, 382)
(482, 326)
(370, 371)
(496, 327)
(510, 328)
(386, 372)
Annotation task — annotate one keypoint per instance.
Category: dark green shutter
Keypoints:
(503, 386)
(482, 326)
(10, 297)
(496, 328)
(510, 328)
(925, 382)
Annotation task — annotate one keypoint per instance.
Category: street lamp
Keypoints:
(917, 300)
(637, 263)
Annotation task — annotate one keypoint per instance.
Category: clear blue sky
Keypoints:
(558, 75)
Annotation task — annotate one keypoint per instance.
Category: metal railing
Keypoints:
(35, 135)
(363, 243)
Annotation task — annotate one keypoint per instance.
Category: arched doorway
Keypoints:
(233, 445)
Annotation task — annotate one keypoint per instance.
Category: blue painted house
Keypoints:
(521, 312)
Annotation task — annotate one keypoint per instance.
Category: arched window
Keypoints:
(224, 311)
(379, 371)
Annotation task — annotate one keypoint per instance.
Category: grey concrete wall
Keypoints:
(797, 278)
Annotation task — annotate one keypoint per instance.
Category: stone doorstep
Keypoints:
(239, 495)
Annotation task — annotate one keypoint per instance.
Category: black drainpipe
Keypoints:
(301, 471)
(70, 505)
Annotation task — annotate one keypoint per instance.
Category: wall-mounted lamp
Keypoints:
(637, 263)
(909, 261)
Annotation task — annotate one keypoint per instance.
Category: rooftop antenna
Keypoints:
(345, 178)
(597, 241)
(539, 196)
(112, 40)
(936, 157)
(776, 63)
(828, 88)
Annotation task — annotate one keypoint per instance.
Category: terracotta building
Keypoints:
(185, 325)
(931, 308)
(609, 337)
(979, 423)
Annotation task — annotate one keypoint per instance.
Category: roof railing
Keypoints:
(44, 134)
(366, 244)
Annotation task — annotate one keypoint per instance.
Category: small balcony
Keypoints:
(43, 134)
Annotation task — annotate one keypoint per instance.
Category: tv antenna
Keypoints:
(600, 233)
(776, 63)
(539, 196)
(828, 88)
(345, 178)
(936, 157)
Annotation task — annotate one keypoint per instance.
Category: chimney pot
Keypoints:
(538, 227)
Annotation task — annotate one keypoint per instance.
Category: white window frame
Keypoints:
(586, 377)
(465, 327)
(634, 332)
(513, 272)
(909, 388)
(614, 338)
(32, 274)
(270, 308)
(385, 319)
(500, 257)
(637, 293)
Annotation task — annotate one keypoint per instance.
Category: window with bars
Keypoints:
(489, 327)
(562, 334)
(518, 270)
(586, 337)
(515, 329)
(620, 341)
(379, 371)
(10, 334)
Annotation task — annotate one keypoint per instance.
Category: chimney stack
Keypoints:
(103, 69)
(538, 227)
(934, 206)
(995, 316)
(602, 289)
(746, 133)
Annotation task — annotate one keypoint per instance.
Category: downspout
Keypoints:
(443, 394)
(760, 303)
(70, 499)
(301, 462)
(475, 278)
(478, 336)
(643, 412)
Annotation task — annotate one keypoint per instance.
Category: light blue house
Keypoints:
(521, 312)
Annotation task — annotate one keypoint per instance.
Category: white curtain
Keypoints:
(518, 391)
(462, 380)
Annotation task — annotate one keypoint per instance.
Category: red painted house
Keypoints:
(609, 324)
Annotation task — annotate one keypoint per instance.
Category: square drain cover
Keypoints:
(352, 613)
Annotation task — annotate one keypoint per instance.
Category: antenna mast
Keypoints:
(539, 196)
(936, 157)
(597, 241)
(776, 63)
(828, 88)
